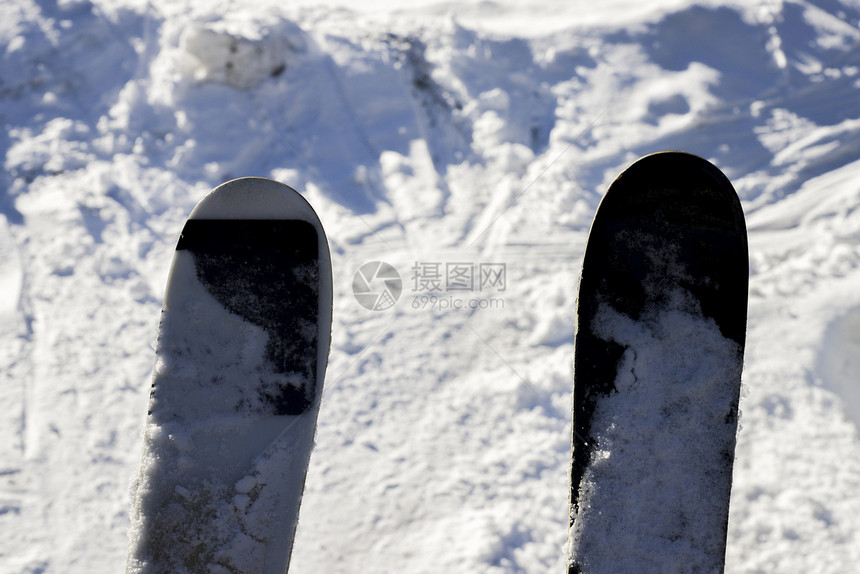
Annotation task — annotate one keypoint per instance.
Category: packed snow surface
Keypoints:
(466, 145)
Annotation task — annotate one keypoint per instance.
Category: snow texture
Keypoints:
(654, 489)
(658, 480)
(218, 471)
(422, 132)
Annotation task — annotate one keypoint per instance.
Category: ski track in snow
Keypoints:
(475, 133)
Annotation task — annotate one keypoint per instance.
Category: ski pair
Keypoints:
(243, 344)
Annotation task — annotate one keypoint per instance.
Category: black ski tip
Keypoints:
(693, 204)
(267, 271)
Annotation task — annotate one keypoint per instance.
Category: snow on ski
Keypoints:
(661, 319)
(241, 355)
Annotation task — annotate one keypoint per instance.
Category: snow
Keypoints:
(455, 134)
(648, 502)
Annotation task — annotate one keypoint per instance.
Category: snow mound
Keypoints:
(242, 55)
(11, 278)
(839, 361)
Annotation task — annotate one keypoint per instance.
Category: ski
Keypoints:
(660, 330)
(241, 354)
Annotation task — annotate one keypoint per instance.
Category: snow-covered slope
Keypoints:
(445, 140)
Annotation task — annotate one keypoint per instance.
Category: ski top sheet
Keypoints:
(240, 359)
(661, 323)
